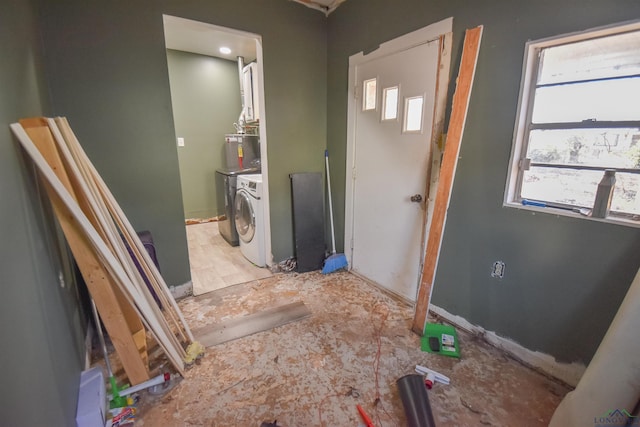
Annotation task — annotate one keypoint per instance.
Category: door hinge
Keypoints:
(355, 91)
(353, 174)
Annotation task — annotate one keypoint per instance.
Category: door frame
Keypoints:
(429, 33)
(264, 163)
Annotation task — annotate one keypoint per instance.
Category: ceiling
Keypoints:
(207, 39)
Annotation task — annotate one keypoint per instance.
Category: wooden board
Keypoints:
(447, 173)
(253, 323)
(97, 278)
(101, 240)
(136, 290)
(127, 230)
(437, 133)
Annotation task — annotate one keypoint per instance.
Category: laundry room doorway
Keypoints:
(391, 112)
(217, 93)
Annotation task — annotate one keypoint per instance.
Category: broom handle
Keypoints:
(101, 337)
(333, 232)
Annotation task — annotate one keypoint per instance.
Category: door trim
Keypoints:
(264, 161)
(464, 84)
(405, 42)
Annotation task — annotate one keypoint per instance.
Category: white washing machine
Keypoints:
(249, 218)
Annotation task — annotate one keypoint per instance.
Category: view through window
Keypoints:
(580, 115)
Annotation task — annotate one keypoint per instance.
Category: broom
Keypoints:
(334, 261)
(117, 400)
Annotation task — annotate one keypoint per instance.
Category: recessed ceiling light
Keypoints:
(225, 50)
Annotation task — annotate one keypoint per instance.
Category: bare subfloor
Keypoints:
(313, 372)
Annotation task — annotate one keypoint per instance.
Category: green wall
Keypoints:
(205, 95)
(565, 277)
(107, 67)
(40, 322)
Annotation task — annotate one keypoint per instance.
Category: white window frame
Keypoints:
(405, 113)
(518, 159)
(383, 104)
(365, 97)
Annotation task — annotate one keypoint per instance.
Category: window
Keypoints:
(369, 98)
(579, 115)
(413, 114)
(390, 103)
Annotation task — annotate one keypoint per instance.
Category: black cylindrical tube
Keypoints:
(415, 401)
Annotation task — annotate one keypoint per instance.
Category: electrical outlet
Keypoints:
(498, 269)
(180, 142)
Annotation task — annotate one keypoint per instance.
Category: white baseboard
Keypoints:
(182, 291)
(569, 373)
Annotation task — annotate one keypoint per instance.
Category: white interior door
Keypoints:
(393, 113)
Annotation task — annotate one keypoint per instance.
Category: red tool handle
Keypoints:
(365, 417)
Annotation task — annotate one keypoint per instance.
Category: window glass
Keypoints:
(625, 194)
(607, 148)
(369, 99)
(578, 188)
(413, 114)
(605, 57)
(581, 117)
(390, 103)
(606, 100)
(562, 186)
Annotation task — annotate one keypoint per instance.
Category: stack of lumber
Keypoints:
(107, 250)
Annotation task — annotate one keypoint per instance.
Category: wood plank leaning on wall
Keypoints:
(107, 225)
(447, 173)
(112, 208)
(94, 227)
(117, 318)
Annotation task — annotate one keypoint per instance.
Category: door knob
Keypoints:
(417, 198)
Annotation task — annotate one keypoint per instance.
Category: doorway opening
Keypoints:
(217, 95)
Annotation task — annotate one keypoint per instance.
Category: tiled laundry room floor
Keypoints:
(214, 263)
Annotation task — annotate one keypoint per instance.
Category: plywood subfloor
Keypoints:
(314, 371)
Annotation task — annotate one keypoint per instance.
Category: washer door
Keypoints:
(245, 217)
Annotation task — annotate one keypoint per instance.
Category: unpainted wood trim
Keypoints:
(109, 265)
(114, 208)
(38, 142)
(447, 173)
(437, 129)
(107, 228)
(89, 196)
(90, 205)
(123, 270)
